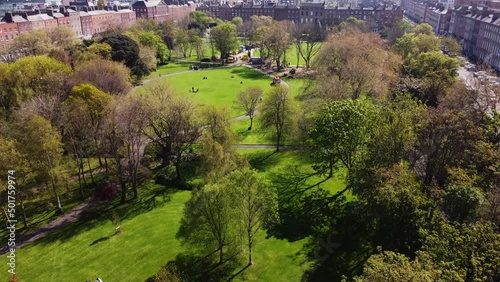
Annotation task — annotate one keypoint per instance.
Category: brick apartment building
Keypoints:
(318, 13)
(8, 31)
(475, 27)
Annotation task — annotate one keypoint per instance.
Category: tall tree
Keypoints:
(24, 176)
(34, 76)
(167, 33)
(208, 221)
(278, 112)
(248, 101)
(126, 50)
(255, 200)
(62, 37)
(33, 43)
(346, 72)
(84, 113)
(132, 116)
(307, 39)
(340, 134)
(107, 76)
(278, 41)
(173, 126)
(218, 158)
(41, 144)
(224, 38)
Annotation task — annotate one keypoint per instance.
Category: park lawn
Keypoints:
(147, 242)
(268, 162)
(291, 56)
(245, 136)
(219, 88)
(39, 212)
(275, 260)
(171, 67)
(257, 135)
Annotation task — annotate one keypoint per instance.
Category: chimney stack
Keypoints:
(496, 15)
(8, 17)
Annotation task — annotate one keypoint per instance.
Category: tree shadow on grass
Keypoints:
(248, 73)
(193, 267)
(302, 203)
(99, 240)
(100, 214)
(262, 160)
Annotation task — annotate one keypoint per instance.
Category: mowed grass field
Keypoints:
(221, 87)
(87, 248)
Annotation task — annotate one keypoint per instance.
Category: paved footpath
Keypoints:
(74, 214)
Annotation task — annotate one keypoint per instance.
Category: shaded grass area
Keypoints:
(171, 67)
(254, 136)
(89, 248)
(291, 56)
(42, 210)
(269, 162)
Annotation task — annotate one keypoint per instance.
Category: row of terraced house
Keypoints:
(306, 12)
(86, 21)
(475, 27)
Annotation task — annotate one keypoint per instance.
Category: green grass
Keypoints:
(147, 242)
(269, 163)
(291, 56)
(220, 88)
(276, 260)
(245, 136)
(85, 250)
(171, 67)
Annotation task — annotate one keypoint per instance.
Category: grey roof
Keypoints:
(148, 3)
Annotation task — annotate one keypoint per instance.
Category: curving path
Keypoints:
(75, 213)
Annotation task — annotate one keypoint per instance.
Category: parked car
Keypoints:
(205, 60)
(470, 67)
(256, 61)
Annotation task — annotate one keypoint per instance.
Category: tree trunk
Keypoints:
(83, 172)
(284, 59)
(58, 199)
(23, 211)
(133, 174)
(80, 183)
(100, 161)
(298, 55)
(177, 166)
(221, 255)
(123, 185)
(106, 166)
(4, 212)
(278, 137)
(250, 262)
(90, 170)
(330, 175)
(251, 123)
